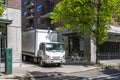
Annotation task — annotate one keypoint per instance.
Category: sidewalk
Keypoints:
(115, 62)
(34, 70)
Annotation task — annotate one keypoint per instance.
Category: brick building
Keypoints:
(36, 14)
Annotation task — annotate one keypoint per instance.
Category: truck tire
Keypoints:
(35, 60)
(25, 58)
(42, 64)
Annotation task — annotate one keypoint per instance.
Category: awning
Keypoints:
(5, 22)
(114, 31)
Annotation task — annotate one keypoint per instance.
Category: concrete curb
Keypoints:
(28, 76)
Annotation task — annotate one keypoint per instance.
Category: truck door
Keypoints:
(42, 49)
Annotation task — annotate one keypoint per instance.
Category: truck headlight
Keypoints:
(63, 57)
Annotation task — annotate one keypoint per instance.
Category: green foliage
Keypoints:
(90, 17)
(2, 8)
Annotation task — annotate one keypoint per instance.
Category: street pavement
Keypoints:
(113, 62)
(96, 74)
(99, 74)
(29, 69)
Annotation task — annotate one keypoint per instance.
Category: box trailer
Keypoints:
(42, 46)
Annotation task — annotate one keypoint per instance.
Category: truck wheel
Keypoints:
(42, 64)
(35, 60)
(25, 58)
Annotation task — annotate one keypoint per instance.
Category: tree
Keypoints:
(2, 8)
(91, 17)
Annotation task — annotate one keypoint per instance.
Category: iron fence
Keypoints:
(109, 55)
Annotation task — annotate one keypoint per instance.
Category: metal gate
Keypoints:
(2, 60)
(3, 45)
(110, 50)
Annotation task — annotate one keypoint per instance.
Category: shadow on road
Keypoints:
(36, 64)
(73, 63)
(108, 70)
(37, 75)
(111, 72)
(50, 76)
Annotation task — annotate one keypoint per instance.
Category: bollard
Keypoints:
(8, 61)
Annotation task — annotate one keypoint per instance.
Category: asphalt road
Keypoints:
(87, 75)
(98, 74)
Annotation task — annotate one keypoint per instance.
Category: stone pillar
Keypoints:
(14, 33)
(87, 48)
(93, 51)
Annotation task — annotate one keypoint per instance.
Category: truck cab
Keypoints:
(51, 53)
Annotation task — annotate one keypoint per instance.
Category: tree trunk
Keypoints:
(97, 54)
(97, 32)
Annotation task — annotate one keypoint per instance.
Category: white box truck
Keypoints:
(42, 46)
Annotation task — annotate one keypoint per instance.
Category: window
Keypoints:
(25, 14)
(40, 21)
(24, 25)
(42, 47)
(51, 6)
(54, 46)
(33, 1)
(25, 3)
(39, 7)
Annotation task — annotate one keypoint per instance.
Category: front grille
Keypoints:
(56, 58)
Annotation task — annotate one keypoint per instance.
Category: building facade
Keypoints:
(12, 38)
(36, 15)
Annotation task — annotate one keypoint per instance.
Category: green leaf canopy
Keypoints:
(2, 8)
(91, 17)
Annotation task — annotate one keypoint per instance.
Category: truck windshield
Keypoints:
(54, 47)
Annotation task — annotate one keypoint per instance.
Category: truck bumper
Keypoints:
(54, 61)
